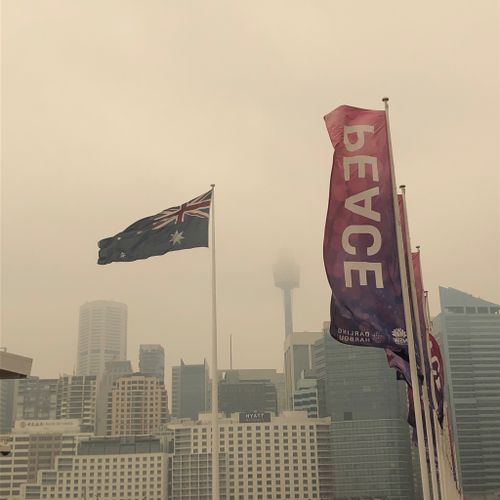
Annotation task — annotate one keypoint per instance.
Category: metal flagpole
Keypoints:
(409, 330)
(419, 328)
(215, 374)
(437, 427)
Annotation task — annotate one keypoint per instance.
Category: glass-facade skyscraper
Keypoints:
(371, 442)
(468, 330)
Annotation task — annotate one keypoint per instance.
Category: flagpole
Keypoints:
(437, 427)
(419, 328)
(407, 313)
(215, 374)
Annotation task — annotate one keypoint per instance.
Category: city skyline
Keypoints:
(109, 124)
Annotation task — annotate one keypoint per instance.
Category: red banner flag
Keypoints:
(360, 246)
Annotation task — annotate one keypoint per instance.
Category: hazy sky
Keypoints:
(115, 110)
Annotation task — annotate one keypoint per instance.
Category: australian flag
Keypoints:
(176, 228)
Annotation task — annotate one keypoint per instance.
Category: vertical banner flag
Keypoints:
(360, 247)
(437, 376)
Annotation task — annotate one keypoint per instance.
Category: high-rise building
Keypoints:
(190, 390)
(132, 468)
(152, 360)
(309, 395)
(286, 277)
(102, 336)
(266, 457)
(368, 409)
(34, 445)
(238, 395)
(7, 406)
(76, 399)
(468, 330)
(298, 357)
(36, 398)
(137, 406)
(113, 371)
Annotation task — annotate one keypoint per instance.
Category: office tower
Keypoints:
(152, 360)
(298, 357)
(468, 330)
(190, 390)
(286, 277)
(309, 395)
(36, 398)
(102, 336)
(132, 468)
(137, 405)
(113, 370)
(264, 456)
(34, 445)
(368, 409)
(239, 395)
(7, 409)
(76, 399)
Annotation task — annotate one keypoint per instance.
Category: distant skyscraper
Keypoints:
(36, 398)
(152, 360)
(368, 408)
(239, 395)
(190, 390)
(137, 405)
(286, 277)
(298, 357)
(76, 399)
(102, 336)
(468, 330)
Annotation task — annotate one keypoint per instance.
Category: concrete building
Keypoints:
(102, 336)
(36, 398)
(190, 390)
(152, 360)
(76, 399)
(113, 371)
(137, 406)
(35, 445)
(368, 407)
(309, 395)
(255, 374)
(298, 351)
(132, 468)
(263, 456)
(468, 330)
(239, 395)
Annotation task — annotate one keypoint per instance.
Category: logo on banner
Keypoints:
(399, 336)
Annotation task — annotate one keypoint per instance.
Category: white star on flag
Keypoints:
(176, 238)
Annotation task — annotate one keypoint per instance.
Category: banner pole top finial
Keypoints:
(385, 99)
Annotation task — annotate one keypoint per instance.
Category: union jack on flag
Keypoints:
(198, 207)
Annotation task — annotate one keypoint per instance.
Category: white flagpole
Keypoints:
(409, 330)
(437, 427)
(215, 374)
(419, 327)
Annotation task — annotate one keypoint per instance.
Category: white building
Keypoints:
(131, 468)
(262, 457)
(102, 336)
(35, 445)
(298, 350)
